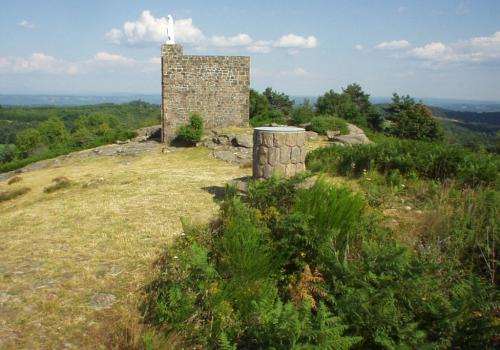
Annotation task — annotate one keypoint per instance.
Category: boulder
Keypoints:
(356, 136)
(311, 135)
(243, 140)
(331, 134)
(148, 133)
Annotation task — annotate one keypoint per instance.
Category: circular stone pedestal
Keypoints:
(278, 150)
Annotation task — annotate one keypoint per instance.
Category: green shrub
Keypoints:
(269, 117)
(323, 123)
(192, 133)
(291, 267)
(8, 195)
(428, 160)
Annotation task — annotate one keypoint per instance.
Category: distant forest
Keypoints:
(29, 134)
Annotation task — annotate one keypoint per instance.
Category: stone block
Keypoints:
(289, 170)
(285, 152)
(291, 139)
(274, 155)
(295, 155)
(279, 139)
(263, 151)
(268, 139)
(268, 171)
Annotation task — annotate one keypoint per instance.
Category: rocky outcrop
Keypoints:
(148, 133)
(356, 136)
(231, 147)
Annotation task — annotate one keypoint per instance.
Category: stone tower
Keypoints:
(217, 87)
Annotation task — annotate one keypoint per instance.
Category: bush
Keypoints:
(192, 133)
(428, 160)
(323, 123)
(269, 117)
(8, 153)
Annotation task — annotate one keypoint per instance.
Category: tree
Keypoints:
(358, 96)
(54, 132)
(400, 103)
(279, 101)
(303, 113)
(412, 120)
(28, 140)
(340, 105)
(7, 153)
(258, 103)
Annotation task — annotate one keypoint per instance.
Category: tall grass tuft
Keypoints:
(8, 195)
(58, 184)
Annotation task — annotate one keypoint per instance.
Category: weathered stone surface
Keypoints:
(243, 140)
(268, 171)
(311, 135)
(228, 156)
(262, 155)
(279, 139)
(356, 136)
(274, 155)
(268, 139)
(290, 170)
(330, 134)
(295, 155)
(291, 139)
(279, 169)
(217, 87)
(148, 133)
(285, 153)
(101, 301)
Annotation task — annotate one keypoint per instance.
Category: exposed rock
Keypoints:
(331, 134)
(356, 136)
(225, 155)
(311, 135)
(243, 140)
(148, 133)
(120, 142)
(102, 301)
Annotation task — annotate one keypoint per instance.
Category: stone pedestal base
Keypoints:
(278, 150)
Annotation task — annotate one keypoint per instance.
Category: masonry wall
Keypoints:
(217, 87)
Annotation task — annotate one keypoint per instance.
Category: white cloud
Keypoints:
(359, 47)
(297, 41)
(37, 62)
(114, 36)
(107, 57)
(149, 30)
(241, 39)
(474, 50)
(296, 72)
(25, 24)
(260, 46)
(393, 45)
(431, 51)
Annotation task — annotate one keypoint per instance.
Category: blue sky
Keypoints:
(443, 49)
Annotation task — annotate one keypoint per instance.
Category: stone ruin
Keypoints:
(216, 87)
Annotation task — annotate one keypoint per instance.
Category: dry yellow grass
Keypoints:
(100, 235)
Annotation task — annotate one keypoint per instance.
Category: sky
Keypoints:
(440, 49)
